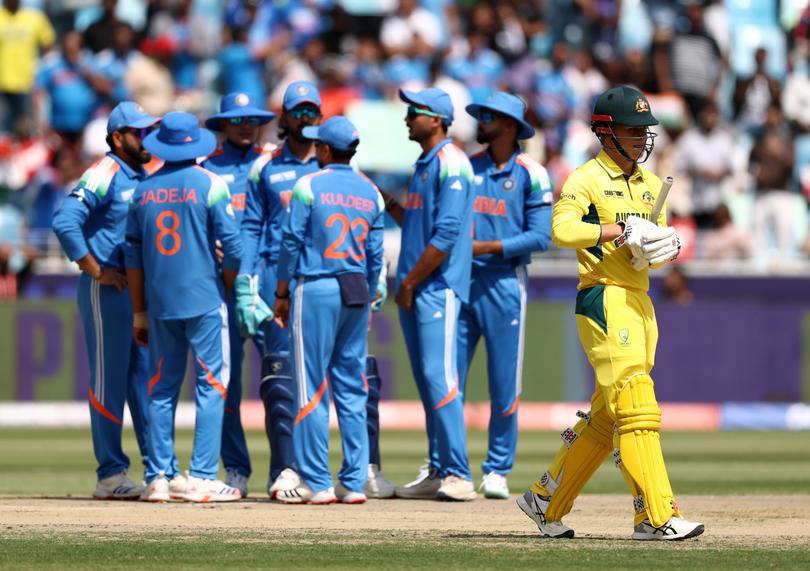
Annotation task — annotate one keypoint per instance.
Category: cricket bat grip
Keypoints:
(666, 184)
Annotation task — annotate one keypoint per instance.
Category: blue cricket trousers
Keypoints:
(496, 311)
(329, 341)
(118, 373)
(430, 335)
(169, 340)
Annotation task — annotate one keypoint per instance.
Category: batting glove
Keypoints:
(663, 250)
(251, 309)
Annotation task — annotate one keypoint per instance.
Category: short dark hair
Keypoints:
(109, 140)
(340, 155)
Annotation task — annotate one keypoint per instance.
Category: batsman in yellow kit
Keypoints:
(604, 212)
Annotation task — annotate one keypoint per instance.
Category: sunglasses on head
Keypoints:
(301, 112)
(413, 111)
(244, 120)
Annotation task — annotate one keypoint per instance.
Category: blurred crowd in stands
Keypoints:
(729, 80)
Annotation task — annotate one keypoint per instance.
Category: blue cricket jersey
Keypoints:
(334, 227)
(92, 219)
(270, 185)
(176, 216)
(233, 165)
(438, 211)
(72, 99)
(512, 205)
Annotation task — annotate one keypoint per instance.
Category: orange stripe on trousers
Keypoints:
(449, 398)
(311, 405)
(154, 380)
(100, 408)
(212, 380)
(514, 408)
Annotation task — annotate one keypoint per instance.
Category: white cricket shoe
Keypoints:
(286, 480)
(178, 486)
(157, 490)
(203, 490)
(324, 497)
(494, 486)
(535, 506)
(347, 496)
(674, 529)
(117, 487)
(456, 489)
(424, 487)
(236, 480)
(377, 486)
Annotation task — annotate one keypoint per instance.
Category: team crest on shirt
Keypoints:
(508, 184)
(624, 336)
(241, 100)
(642, 106)
(424, 176)
(229, 210)
(648, 198)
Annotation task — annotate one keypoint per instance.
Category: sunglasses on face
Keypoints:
(486, 116)
(244, 120)
(301, 112)
(413, 111)
(140, 133)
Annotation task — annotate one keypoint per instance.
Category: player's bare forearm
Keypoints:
(610, 232)
(228, 277)
(393, 208)
(430, 259)
(136, 291)
(484, 247)
(281, 309)
(89, 265)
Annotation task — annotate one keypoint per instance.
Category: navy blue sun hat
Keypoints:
(506, 104)
(129, 114)
(238, 104)
(337, 132)
(433, 98)
(299, 92)
(180, 138)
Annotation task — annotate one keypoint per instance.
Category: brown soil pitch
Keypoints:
(752, 521)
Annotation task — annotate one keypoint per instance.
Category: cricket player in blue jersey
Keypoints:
(178, 297)
(433, 279)
(270, 185)
(511, 219)
(239, 121)
(90, 226)
(332, 244)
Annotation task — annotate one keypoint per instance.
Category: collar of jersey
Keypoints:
(128, 170)
(337, 166)
(612, 168)
(507, 168)
(232, 151)
(288, 157)
(426, 158)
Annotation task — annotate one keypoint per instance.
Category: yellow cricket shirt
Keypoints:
(21, 34)
(599, 193)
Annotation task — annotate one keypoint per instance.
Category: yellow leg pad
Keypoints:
(584, 449)
(638, 424)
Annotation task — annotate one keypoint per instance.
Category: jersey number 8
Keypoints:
(168, 233)
(332, 250)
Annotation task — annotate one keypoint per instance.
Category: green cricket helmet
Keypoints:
(625, 106)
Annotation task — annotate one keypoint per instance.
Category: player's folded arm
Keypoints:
(535, 238)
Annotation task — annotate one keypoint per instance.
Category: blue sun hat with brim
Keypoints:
(433, 98)
(129, 114)
(337, 132)
(505, 104)
(238, 104)
(180, 138)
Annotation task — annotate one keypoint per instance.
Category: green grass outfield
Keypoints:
(48, 462)
(58, 463)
